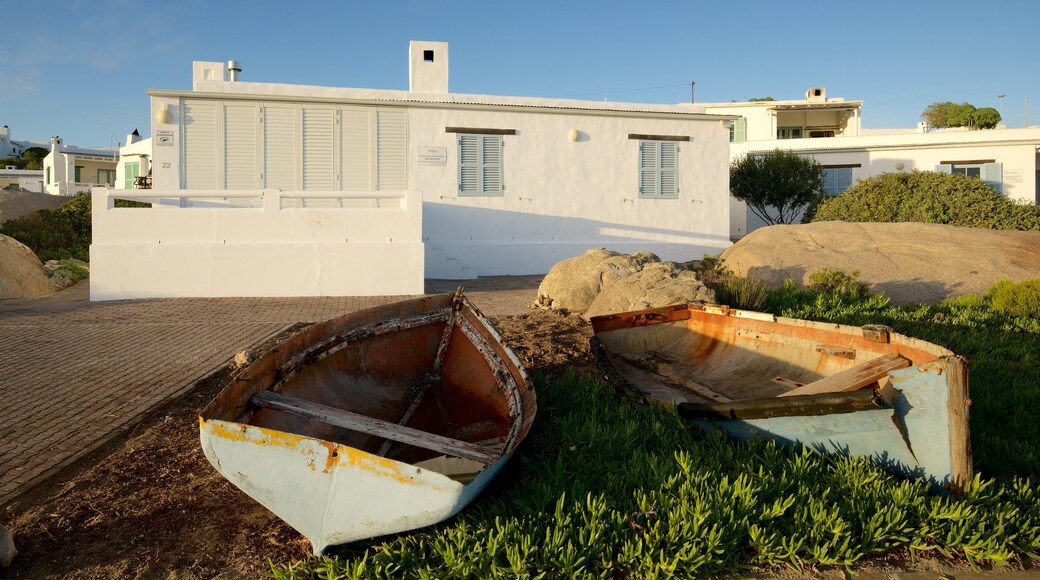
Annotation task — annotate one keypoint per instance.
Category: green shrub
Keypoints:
(742, 293)
(1021, 299)
(836, 281)
(56, 234)
(710, 269)
(929, 197)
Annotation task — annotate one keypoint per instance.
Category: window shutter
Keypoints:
(318, 131)
(993, 175)
(241, 169)
(740, 130)
(836, 180)
(355, 150)
(492, 174)
(649, 152)
(130, 171)
(391, 151)
(280, 147)
(470, 170)
(944, 168)
(669, 169)
(200, 145)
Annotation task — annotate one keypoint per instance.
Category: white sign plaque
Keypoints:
(164, 138)
(433, 155)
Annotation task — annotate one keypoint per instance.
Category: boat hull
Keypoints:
(423, 361)
(912, 421)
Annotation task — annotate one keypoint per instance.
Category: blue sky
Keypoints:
(80, 69)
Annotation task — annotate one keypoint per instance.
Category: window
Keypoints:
(788, 132)
(79, 174)
(836, 180)
(130, 173)
(48, 176)
(986, 170)
(738, 131)
(659, 169)
(480, 165)
(106, 176)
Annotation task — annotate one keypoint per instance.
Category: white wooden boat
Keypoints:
(376, 422)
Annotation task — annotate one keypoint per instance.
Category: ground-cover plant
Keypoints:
(730, 289)
(606, 490)
(1021, 299)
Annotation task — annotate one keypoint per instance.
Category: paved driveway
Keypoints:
(75, 373)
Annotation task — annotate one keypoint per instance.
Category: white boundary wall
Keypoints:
(256, 243)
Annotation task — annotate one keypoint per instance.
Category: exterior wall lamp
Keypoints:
(164, 116)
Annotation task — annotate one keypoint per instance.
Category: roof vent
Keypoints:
(233, 68)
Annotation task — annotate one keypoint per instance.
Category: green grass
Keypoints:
(602, 489)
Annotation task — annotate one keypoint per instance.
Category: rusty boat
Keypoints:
(376, 422)
(901, 402)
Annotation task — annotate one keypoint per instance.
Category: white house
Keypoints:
(508, 185)
(11, 148)
(21, 179)
(134, 162)
(71, 170)
(829, 130)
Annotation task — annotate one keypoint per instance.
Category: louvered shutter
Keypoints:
(280, 147)
(391, 151)
(649, 153)
(836, 180)
(200, 145)
(993, 175)
(355, 150)
(669, 179)
(944, 168)
(480, 165)
(130, 173)
(318, 131)
(739, 130)
(241, 164)
(492, 173)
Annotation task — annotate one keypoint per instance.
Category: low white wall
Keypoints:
(255, 243)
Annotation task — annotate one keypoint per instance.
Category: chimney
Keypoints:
(133, 137)
(234, 68)
(816, 95)
(427, 67)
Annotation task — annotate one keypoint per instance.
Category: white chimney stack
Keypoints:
(233, 68)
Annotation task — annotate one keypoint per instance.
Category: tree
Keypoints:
(986, 118)
(33, 157)
(949, 114)
(777, 186)
(761, 99)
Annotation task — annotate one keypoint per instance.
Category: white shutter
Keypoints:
(318, 131)
(280, 147)
(391, 150)
(355, 150)
(200, 145)
(241, 164)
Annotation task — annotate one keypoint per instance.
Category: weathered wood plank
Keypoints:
(786, 382)
(372, 426)
(853, 378)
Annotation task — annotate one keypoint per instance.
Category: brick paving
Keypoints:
(75, 373)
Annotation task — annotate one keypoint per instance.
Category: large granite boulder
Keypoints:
(657, 284)
(574, 283)
(909, 262)
(21, 273)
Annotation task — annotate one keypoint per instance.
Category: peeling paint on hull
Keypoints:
(431, 368)
(732, 370)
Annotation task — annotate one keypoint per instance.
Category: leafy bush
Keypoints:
(711, 269)
(929, 197)
(778, 185)
(1021, 299)
(836, 281)
(56, 234)
(729, 289)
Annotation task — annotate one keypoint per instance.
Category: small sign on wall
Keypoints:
(164, 138)
(1012, 176)
(433, 155)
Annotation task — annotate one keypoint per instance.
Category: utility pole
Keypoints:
(1001, 97)
(692, 86)
(1027, 113)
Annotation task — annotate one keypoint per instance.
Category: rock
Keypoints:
(244, 357)
(574, 283)
(18, 204)
(7, 550)
(21, 274)
(909, 262)
(657, 284)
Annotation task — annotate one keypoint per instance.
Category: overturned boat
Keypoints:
(868, 391)
(376, 422)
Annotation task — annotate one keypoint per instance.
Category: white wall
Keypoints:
(209, 248)
(564, 197)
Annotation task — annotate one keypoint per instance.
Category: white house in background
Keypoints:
(70, 170)
(134, 162)
(21, 179)
(12, 148)
(500, 186)
(829, 130)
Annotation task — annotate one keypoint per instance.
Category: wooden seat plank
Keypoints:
(372, 426)
(853, 378)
